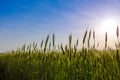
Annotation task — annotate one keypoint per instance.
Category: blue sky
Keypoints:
(25, 21)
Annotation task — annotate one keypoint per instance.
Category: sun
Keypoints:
(109, 25)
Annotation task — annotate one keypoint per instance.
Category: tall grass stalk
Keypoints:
(117, 34)
(106, 38)
(89, 39)
(46, 43)
(62, 49)
(70, 41)
(41, 44)
(84, 38)
(49, 46)
(53, 40)
(94, 39)
(79, 65)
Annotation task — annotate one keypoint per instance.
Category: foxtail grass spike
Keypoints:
(105, 40)
(46, 43)
(70, 41)
(94, 35)
(117, 32)
(84, 37)
(89, 39)
(89, 34)
(53, 40)
(94, 39)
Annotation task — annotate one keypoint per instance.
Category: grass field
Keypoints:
(58, 62)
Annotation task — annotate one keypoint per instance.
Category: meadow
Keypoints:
(62, 62)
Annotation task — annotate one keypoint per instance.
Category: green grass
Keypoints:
(59, 62)
(85, 65)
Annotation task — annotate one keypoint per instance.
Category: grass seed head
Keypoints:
(89, 34)
(46, 43)
(117, 31)
(94, 35)
(84, 37)
(105, 40)
(53, 40)
(70, 40)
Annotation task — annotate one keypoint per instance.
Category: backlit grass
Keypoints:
(58, 62)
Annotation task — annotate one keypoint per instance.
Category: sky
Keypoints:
(25, 21)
